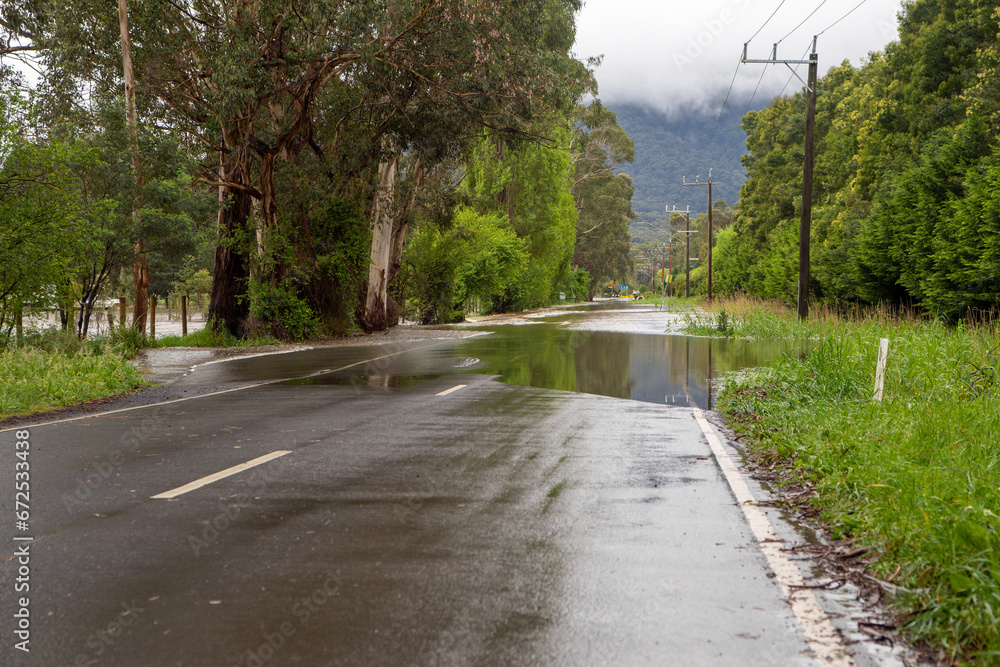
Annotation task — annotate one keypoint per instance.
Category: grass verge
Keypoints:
(53, 370)
(209, 337)
(916, 478)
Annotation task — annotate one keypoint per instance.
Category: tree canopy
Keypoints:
(319, 128)
(906, 159)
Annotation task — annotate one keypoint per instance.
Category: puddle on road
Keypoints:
(652, 366)
(375, 381)
(627, 351)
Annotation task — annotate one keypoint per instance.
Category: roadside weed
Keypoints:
(915, 477)
(33, 379)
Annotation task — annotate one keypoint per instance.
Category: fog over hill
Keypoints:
(670, 148)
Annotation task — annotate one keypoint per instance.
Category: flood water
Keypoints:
(623, 350)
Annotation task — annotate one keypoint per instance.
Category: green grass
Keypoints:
(915, 477)
(208, 337)
(54, 370)
(675, 301)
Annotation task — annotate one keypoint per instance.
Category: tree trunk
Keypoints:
(228, 307)
(378, 272)
(403, 221)
(396, 254)
(140, 275)
(140, 269)
(275, 273)
(268, 199)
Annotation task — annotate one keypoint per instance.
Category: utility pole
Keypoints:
(663, 276)
(687, 253)
(670, 267)
(697, 181)
(805, 222)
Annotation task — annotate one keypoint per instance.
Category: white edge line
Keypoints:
(214, 393)
(820, 633)
(228, 472)
(453, 389)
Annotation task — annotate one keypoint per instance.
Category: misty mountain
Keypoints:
(669, 148)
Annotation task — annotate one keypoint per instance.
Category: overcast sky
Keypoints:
(671, 54)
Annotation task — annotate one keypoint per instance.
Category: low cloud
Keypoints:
(673, 56)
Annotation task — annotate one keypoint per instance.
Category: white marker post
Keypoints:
(883, 356)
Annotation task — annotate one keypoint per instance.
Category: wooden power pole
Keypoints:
(697, 181)
(687, 252)
(805, 221)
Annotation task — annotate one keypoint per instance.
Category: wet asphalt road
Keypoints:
(493, 525)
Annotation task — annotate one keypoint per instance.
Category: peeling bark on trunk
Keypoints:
(396, 254)
(268, 199)
(140, 276)
(403, 221)
(375, 317)
(269, 213)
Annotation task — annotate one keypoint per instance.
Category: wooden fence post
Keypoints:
(152, 318)
(883, 356)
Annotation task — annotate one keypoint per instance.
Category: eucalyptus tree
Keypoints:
(490, 66)
(22, 27)
(603, 196)
(245, 80)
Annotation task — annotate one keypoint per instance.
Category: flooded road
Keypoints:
(630, 351)
(626, 350)
(395, 504)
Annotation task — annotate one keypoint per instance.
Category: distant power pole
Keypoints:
(663, 273)
(805, 222)
(687, 253)
(709, 184)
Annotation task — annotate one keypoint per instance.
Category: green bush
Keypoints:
(479, 257)
(284, 314)
(126, 341)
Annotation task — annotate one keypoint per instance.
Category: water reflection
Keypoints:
(676, 370)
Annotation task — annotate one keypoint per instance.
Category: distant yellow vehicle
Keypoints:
(625, 293)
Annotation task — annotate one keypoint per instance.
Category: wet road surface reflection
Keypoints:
(625, 351)
(406, 524)
(667, 369)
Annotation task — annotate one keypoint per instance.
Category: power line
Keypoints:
(719, 119)
(767, 21)
(841, 18)
(725, 153)
(729, 92)
(803, 22)
(796, 70)
(745, 111)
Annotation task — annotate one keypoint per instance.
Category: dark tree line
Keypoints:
(906, 174)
